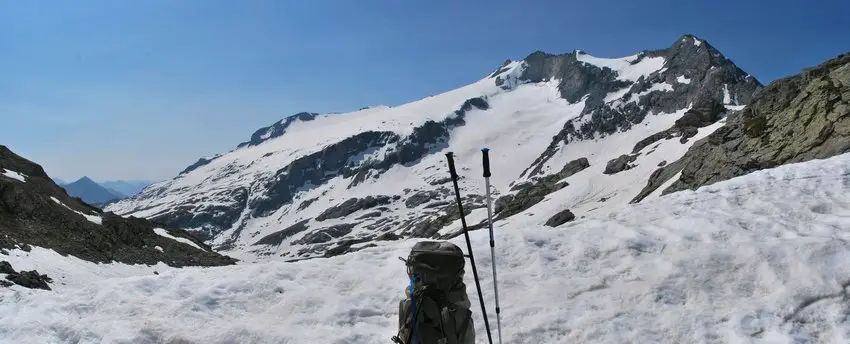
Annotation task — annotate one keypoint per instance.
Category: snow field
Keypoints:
(14, 175)
(757, 259)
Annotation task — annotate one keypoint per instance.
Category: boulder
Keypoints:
(619, 164)
(560, 218)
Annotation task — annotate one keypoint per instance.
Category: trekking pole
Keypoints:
(486, 162)
(453, 172)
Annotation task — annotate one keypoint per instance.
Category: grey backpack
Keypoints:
(436, 309)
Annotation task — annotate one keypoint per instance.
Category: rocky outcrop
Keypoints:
(706, 112)
(534, 191)
(795, 119)
(28, 279)
(277, 129)
(421, 197)
(560, 218)
(324, 235)
(351, 206)
(278, 237)
(317, 168)
(619, 164)
(658, 178)
(201, 162)
(220, 215)
(37, 212)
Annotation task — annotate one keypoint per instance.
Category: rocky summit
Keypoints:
(570, 135)
(36, 212)
(795, 119)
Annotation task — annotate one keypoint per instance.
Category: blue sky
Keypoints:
(141, 89)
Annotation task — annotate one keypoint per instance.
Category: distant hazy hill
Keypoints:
(91, 192)
(127, 188)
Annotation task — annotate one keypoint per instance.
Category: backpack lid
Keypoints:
(433, 261)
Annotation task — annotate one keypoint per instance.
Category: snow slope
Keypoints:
(761, 258)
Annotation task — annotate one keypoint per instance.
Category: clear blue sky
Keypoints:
(120, 89)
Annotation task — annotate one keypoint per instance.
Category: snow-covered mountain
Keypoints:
(763, 258)
(567, 132)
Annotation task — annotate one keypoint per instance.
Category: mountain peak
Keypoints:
(91, 192)
(85, 179)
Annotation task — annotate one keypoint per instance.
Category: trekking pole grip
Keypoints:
(486, 161)
(452, 171)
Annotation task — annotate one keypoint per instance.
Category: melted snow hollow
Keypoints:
(763, 258)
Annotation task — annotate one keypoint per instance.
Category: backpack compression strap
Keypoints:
(413, 337)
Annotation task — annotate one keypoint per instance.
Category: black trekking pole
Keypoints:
(453, 172)
(486, 162)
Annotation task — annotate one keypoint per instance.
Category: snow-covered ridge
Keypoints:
(629, 68)
(761, 258)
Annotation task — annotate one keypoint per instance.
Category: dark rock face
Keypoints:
(277, 129)
(6, 268)
(533, 192)
(29, 216)
(708, 73)
(306, 203)
(577, 78)
(421, 197)
(278, 237)
(428, 227)
(369, 215)
(30, 279)
(197, 164)
(702, 114)
(389, 237)
(796, 119)
(207, 217)
(351, 206)
(318, 168)
(619, 164)
(573, 167)
(658, 178)
(335, 160)
(560, 218)
(326, 234)
(345, 247)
